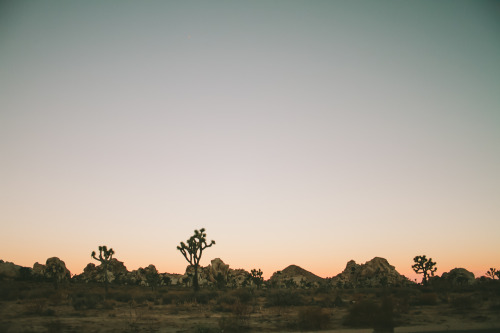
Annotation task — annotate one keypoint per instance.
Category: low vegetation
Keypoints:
(136, 308)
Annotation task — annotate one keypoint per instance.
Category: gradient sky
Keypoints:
(295, 132)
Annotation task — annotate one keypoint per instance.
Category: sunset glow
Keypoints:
(306, 133)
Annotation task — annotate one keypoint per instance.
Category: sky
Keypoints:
(296, 132)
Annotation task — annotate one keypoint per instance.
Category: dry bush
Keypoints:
(330, 300)
(313, 318)
(427, 299)
(9, 291)
(368, 314)
(36, 307)
(108, 304)
(284, 298)
(225, 303)
(88, 301)
(121, 296)
(362, 314)
(463, 303)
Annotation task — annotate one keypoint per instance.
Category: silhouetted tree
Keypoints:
(105, 257)
(256, 276)
(493, 273)
(193, 251)
(424, 266)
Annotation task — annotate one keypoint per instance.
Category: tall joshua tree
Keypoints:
(424, 266)
(193, 251)
(105, 257)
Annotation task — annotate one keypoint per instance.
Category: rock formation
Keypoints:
(455, 277)
(295, 276)
(9, 270)
(374, 273)
(118, 274)
(55, 268)
(217, 274)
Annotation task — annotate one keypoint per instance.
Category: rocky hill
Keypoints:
(295, 276)
(374, 273)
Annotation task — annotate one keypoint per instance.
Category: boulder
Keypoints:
(55, 269)
(171, 279)
(216, 274)
(374, 273)
(9, 270)
(117, 272)
(38, 269)
(459, 277)
(238, 278)
(218, 271)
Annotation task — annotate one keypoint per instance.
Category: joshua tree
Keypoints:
(105, 257)
(424, 266)
(493, 273)
(193, 251)
(256, 277)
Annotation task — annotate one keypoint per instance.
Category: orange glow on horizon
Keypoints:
(77, 265)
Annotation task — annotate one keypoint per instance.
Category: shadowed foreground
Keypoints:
(27, 306)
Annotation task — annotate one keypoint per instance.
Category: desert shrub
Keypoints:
(8, 292)
(401, 305)
(362, 314)
(227, 299)
(284, 298)
(108, 305)
(36, 307)
(427, 299)
(122, 296)
(88, 301)
(243, 295)
(39, 292)
(141, 298)
(182, 298)
(240, 310)
(313, 318)
(328, 301)
(201, 297)
(204, 297)
(463, 303)
(168, 299)
(368, 314)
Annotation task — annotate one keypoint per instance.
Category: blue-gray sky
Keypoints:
(295, 132)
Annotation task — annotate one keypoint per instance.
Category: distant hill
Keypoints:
(298, 275)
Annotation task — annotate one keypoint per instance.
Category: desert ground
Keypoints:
(27, 306)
